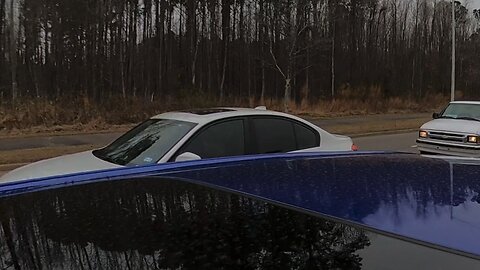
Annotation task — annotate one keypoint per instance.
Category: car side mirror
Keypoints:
(435, 115)
(187, 156)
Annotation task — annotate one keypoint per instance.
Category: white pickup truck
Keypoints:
(454, 131)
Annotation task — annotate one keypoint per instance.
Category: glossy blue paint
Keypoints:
(406, 195)
(11, 188)
(429, 200)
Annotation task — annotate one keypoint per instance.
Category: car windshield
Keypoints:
(462, 111)
(145, 144)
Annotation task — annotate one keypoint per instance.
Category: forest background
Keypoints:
(120, 61)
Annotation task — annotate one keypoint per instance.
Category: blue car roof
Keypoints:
(430, 201)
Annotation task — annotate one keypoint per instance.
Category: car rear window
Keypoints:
(306, 138)
(160, 223)
(274, 135)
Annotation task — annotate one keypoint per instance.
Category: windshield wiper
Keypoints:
(447, 117)
(468, 118)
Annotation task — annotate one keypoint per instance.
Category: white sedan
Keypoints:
(191, 135)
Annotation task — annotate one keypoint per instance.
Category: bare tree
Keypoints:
(244, 48)
(13, 50)
(295, 28)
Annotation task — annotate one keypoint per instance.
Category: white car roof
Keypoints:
(466, 102)
(201, 116)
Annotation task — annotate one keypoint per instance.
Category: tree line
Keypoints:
(300, 49)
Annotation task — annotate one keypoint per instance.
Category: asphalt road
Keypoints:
(358, 119)
(403, 142)
(8, 144)
(393, 142)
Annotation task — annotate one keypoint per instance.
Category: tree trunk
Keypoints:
(160, 26)
(212, 80)
(332, 68)
(194, 64)
(224, 72)
(190, 35)
(262, 95)
(225, 38)
(2, 41)
(288, 90)
(121, 61)
(261, 38)
(13, 52)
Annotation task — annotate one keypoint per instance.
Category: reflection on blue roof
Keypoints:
(400, 194)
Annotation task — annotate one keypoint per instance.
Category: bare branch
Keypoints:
(294, 45)
(302, 69)
(275, 60)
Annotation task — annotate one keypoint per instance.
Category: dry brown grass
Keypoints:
(345, 107)
(81, 114)
(366, 102)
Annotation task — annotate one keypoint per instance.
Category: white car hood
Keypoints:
(455, 125)
(68, 164)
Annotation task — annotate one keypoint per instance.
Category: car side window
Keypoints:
(219, 140)
(306, 138)
(274, 135)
